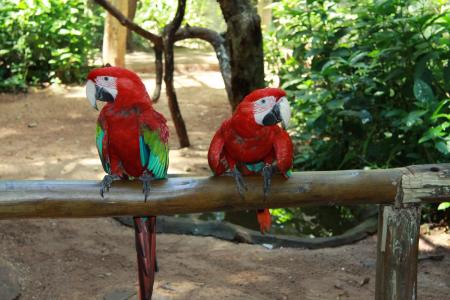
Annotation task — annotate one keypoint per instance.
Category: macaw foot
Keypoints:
(267, 173)
(106, 183)
(240, 183)
(146, 180)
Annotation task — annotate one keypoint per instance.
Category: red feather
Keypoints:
(122, 122)
(241, 140)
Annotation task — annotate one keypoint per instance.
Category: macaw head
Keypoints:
(266, 107)
(118, 86)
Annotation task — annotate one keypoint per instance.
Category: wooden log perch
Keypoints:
(78, 199)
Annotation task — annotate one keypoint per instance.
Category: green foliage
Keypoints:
(315, 221)
(46, 41)
(444, 206)
(370, 79)
(369, 83)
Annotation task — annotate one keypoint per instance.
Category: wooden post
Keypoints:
(397, 250)
(115, 36)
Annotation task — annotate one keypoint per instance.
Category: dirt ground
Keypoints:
(49, 134)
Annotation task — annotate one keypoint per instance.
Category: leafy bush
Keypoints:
(370, 79)
(43, 41)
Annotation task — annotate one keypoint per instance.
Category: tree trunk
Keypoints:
(245, 44)
(132, 5)
(114, 38)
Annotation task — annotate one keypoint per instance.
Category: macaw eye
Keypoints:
(105, 78)
(265, 102)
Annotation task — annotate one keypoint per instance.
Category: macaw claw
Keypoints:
(240, 183)
(267, 173)
(146, 180)
(106, 183)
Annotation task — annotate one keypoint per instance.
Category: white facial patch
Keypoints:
(285, 112)
(109, 83)
(262, 107)
(90, 93)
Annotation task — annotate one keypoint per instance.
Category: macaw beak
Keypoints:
(285, 112)
(95, 92)
(91, 93)
(281, 112)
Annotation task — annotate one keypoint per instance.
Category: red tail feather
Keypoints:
(264, 220)
(145, 232)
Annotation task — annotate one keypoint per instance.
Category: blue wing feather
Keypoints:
(154, 153)
(99, 136)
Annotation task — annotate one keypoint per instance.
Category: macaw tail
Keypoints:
(145, 232)
(264, 219)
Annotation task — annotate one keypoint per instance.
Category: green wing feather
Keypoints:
(99, 136)
(154, 153)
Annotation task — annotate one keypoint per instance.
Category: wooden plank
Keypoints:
(31, 199)
(397, 251)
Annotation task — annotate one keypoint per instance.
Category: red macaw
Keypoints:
(132, 142)
(251, 142)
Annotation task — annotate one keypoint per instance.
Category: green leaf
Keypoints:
(357, 57)
(422, 91)
(443, 206)
(441, 147)
(432, 133)
(336, 104)
(414, 117)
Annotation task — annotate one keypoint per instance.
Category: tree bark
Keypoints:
(245, 45)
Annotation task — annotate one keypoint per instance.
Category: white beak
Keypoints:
(285, 112)
(90, 93)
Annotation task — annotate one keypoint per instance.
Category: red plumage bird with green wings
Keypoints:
(132, 142)
(251, 142)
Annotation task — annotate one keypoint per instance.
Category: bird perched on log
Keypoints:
(132, 142)
(251, 142)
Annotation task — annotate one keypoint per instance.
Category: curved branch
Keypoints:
(235, 233)
(155, 39)
(220, 47)
(159, 74)
(173, 26)
(168, 41)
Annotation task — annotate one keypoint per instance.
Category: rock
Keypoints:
(364, 281)
(32, 125)
(9, 283)
(167, 286)
(120, 295)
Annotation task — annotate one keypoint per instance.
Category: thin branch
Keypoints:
(218, 42)
(194, 32)
(168, 41)
(155, 39)
(173, 26)
(159, 73)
